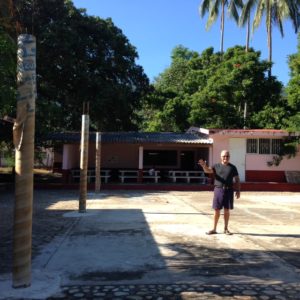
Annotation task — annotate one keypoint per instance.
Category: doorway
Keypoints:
(187, 160)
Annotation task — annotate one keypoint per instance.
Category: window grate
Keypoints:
(251, 145)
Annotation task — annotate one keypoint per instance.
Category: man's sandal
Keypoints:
(211, 232)
(226, 231)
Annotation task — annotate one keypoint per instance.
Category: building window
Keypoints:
(251, 145)
(264, 146)
(276, 146)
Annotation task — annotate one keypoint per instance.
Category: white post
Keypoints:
(141, 150)
(141, 153)
(98, 163)
(84, 162)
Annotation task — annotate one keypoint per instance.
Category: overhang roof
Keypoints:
(252, 132)
(243, 132)
(136, 137)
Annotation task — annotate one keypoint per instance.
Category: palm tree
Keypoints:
(276, 12)
(212, 7)
(245, 19)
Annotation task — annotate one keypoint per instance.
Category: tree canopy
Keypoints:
(213, 90)
(7, 73)
(81, 58)
(293, 91)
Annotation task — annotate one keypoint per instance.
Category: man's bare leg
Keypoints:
(226, 220)
(216, 218)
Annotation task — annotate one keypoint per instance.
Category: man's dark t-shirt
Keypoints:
(224, 174)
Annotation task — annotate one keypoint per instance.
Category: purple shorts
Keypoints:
(223, 198)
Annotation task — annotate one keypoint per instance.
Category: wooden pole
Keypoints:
(98, 163)
(84, 160)
(23, 134)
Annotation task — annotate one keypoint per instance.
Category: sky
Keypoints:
(156, 27)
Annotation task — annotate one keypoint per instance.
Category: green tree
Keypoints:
(212, 8)
(213, 91)
(293, 91)
(276, 12)
(245, 19)
(81, 58)
(7, 74)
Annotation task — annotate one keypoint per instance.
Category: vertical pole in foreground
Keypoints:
(98, 163)
(84, 148)
(24, 144)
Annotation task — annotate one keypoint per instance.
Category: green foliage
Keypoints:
(293, 91)
(8, 62)
(81, 58)
(212, 91)
(8, 153)
(289, 150)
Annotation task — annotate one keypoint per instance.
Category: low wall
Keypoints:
(265, 176)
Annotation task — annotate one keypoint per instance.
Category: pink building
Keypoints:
(251, 151)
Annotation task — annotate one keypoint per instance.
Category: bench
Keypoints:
(188, 176)
(128, 174)
(134, 174)
(91, 175)
(155, 177)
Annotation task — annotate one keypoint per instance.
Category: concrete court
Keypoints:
(136, 237)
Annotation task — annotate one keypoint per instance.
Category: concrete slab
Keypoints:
(159, 238)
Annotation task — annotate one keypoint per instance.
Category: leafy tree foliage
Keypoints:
(275, 13)
(7, 74)
(293, 91)
(213, 7)
(81, 58)
(213, 91)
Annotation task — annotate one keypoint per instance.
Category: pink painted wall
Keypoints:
(119, 156)
(254, 161)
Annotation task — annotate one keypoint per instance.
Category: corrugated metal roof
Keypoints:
(136, 137)
(250, 132)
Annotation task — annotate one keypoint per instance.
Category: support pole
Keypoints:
(84, 160)
(23, 134)
(141, 163)
(98, 163)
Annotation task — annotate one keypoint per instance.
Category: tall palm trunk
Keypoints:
(222, 27)
(248, 33)
(269, 32)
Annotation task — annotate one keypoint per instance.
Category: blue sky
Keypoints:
(155, 27)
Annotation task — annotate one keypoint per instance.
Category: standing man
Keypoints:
(226, 175)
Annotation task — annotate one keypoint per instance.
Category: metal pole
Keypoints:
(84, 162)
(98, 163)
(23, 130)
